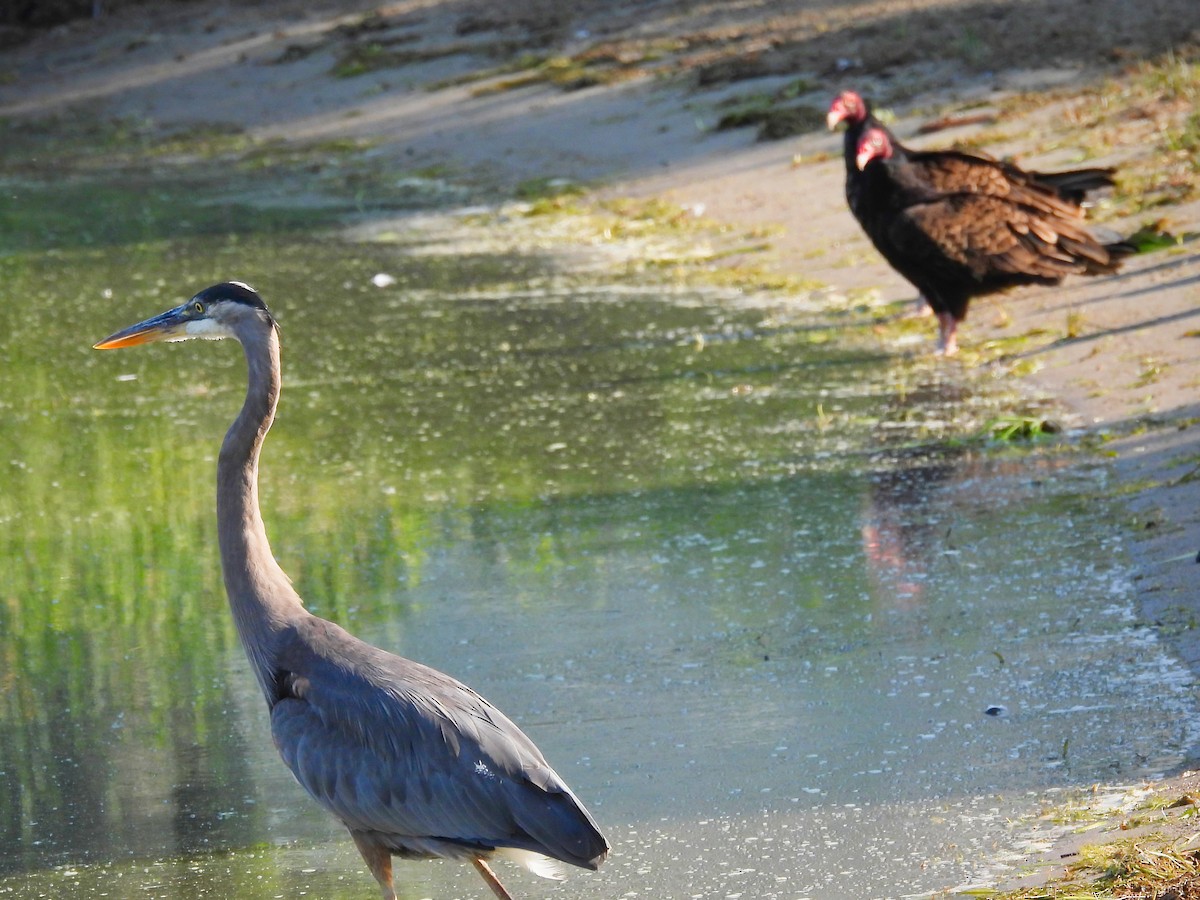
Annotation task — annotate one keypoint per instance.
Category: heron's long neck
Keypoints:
(260, 594)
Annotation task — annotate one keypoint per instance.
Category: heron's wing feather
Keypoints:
(394, 747)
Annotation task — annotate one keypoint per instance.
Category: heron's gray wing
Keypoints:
(394, 747)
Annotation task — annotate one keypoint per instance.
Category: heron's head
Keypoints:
(874, 144)
(223, 310)
(847, 106)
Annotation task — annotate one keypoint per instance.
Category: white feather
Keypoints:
(534, 862)
(206, 328)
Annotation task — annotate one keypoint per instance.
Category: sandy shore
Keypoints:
(1130, 369)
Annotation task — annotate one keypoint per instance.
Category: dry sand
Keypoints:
(1132, 369)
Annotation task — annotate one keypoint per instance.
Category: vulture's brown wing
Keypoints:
(998, 239)
(951, 171)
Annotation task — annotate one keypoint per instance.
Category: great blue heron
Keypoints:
(414, 763)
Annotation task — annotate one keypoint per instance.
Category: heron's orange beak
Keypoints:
(163, 327)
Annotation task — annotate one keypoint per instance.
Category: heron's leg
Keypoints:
(379, 861)
(490, 877)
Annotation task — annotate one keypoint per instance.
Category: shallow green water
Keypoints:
(659, 526)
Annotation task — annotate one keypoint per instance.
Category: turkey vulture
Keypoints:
(957, 244)
(1060, 193)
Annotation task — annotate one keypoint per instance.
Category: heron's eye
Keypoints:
(198, 308)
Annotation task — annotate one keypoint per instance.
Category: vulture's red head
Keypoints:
(846, 107)
(874, 144)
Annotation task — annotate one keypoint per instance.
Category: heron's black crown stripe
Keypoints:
(234, 291)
